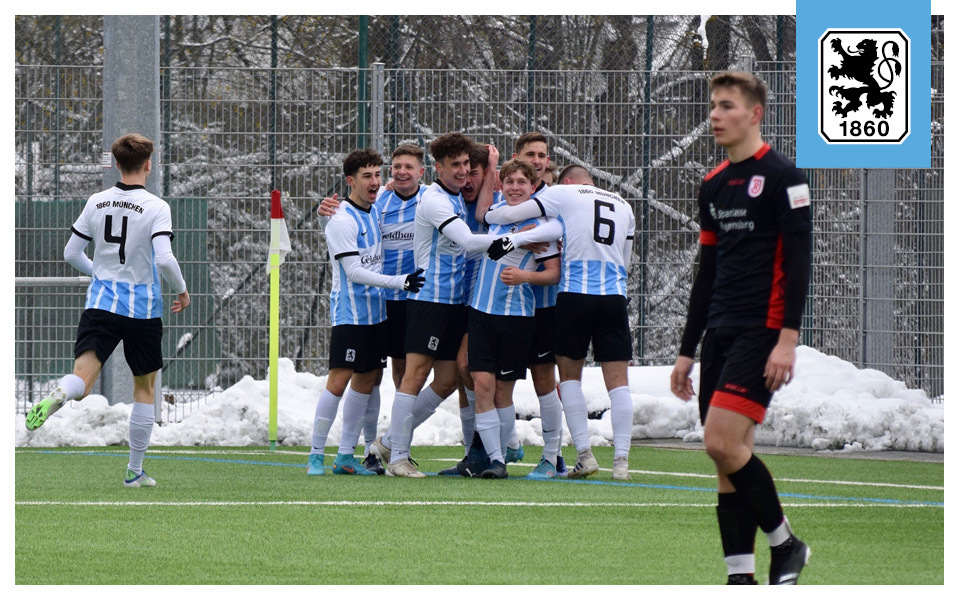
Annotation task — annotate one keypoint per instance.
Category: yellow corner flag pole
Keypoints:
(279, 246)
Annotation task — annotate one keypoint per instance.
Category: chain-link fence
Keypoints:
(249, 104)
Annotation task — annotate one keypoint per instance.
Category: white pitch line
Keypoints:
(455, 460)
(455, 503)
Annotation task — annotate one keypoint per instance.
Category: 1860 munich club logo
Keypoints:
(864, 87)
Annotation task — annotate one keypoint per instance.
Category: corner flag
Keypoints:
(279, 247)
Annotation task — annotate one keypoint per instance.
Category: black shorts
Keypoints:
(360, 348)
(582, 318)
(396, 328)
(101, 331)
(732, 361)
(435, 329)
(544, 337)
(498, 344)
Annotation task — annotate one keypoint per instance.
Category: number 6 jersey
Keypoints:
(122, 222)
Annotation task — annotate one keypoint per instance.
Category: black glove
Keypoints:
(500, 248)
(414, 281)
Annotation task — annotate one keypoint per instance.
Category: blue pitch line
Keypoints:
(655, 486)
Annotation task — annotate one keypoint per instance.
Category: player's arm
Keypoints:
(457, 230)
(505, 215)
(550, 231)
(550, 275)
(328, 207)
(357, 274)
(169, 269)
(485, 199)
(74, 254)
(680, 383)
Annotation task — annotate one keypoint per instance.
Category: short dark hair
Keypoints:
(527, 138)
(409, 150)
(573, 171)
(753, 90)
(356, 160)
(450, 145)
(514, 165)
(479, 156)
(131, 152)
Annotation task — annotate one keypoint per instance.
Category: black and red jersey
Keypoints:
(746, 208)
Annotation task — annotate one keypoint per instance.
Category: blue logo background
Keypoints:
(814, 17)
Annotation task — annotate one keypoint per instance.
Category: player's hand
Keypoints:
(328, 207)
(680, 383)
(389, 186)
(513, 276)
(535, 247)
(494, 156)
(779, 369)
(414, 281)
(497, 184)
(500, 247)
(182, 301)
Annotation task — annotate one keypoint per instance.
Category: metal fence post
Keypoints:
(131, 104)
(880, 294)
(363, 27)
(377, 107)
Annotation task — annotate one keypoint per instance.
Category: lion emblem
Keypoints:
(859, 66)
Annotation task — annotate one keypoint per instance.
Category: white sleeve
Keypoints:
(550, 231)
(74, 255)
(162, 223)
(341, 232)
(167, 263)
(628, 244)
(458, 231)
(357, 274)
(504, 215)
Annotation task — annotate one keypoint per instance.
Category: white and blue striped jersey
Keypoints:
(397, 216)
(474, 259)
(490, 294)
(442, 259)
(353, 231)
(122, 222)
(598, 229)
(544, 296)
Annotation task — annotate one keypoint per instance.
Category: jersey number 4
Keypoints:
(113, 239)
(599, 221)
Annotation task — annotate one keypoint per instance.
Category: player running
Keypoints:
(131, 230)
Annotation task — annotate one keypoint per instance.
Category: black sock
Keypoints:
(755, 487)
(738, 528)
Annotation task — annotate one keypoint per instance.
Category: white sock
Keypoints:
(73, 387)
(508, 427)
(354, 409)
(488, 426)
(551, 420)
(575, 409)
(425, 405)
(468, 419)
(371, 419)
(779, 535)
(621, 417)
(141, 427)
(741, 563)
(322, 420)
(401, 426)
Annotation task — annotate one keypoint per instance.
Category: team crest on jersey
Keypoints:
(756, 186)
(351, 355)
(864, 87)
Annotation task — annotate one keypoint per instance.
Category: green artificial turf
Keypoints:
(254, 517)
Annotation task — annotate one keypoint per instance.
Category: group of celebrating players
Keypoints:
(487, 273)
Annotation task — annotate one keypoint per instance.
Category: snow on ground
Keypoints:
(831, 404)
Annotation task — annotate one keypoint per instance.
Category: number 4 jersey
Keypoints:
(122, 222)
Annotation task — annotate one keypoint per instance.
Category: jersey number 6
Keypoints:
(598, 221)
(113, 239)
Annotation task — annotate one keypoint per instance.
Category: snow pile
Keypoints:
(830, 405)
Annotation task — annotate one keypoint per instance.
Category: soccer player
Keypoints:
(397, 205)
(749, 293)
(502, 323)
(358, 338)
(598, 228)
(131, 230)
(435, 314)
